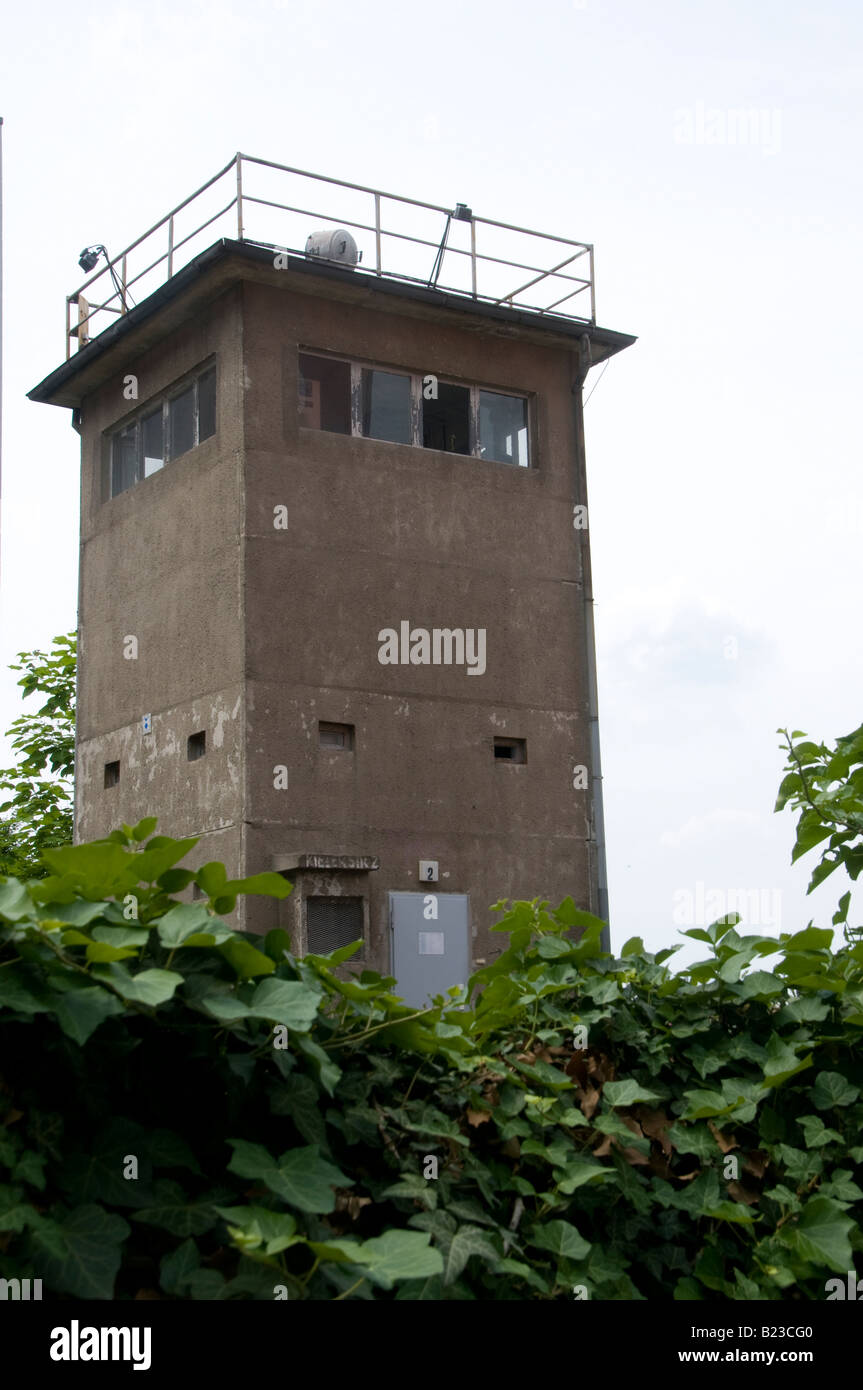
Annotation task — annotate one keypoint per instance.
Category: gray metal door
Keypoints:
(431, 943)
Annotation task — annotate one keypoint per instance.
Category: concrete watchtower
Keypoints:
(335, 606)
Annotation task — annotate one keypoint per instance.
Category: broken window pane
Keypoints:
(181, 422)
(387, 406)
(446, 421)
(503, 428)
(325, 394)
(124, 460)
(207, 404)
(151, 434)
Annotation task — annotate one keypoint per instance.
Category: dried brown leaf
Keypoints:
(726, 1145)
(655, 1124)
(757, 1163)
(350, 1202)
(634, 1156)
(477, 1117)
(588, 1100)
(600, 1068)
(742, 1194)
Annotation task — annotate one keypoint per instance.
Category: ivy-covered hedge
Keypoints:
(193, 1113)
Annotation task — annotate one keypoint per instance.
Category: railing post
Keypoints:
(123, 283)
(473, 257)
(170, 246)
(592, 290)
(377, 233)
(68, 330)
(239, 197)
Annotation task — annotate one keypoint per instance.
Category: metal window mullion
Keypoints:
(416, 410)
(356, 400)
(474, 422)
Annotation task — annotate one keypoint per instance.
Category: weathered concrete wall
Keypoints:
(254, 634)
(381, 532)
(162, 563)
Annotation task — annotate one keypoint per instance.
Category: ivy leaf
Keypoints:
(15, 1213)
(181, 921)
(172, 1209)
(271, 885)
(177, 1267)
(149, 987)
(20, 991)
(413, 1187)
(831, 1088)
(627, 1092)
(29, 1169)
(328, 1073)
(759, 984)
(286, 1001)
(560, 1238)
(841, 1187)
(298, 1096)
(144, 829)
(275, 1230)
(810, 939)
(782, 1062)
(301, 1177)
(80, 1011)
(701, 1105)
(815, 1133)
(121, 936)
(15, 901)
(821, 1235)
(212, 877)
(245, 959)
(81, 1254)
(693, 1139)
(394, 1255)
(523, 1271)
(103, 950)
(467, 1241)
(576, 1174)
(96, 1173)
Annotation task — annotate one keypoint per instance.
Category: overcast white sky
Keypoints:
(723, 449)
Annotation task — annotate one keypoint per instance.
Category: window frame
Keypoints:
(329, 726)
(196, 746)
(517, 756)
(162, 403)
(359, 365)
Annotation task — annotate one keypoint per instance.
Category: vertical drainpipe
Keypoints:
(77, 417)
(596, 845)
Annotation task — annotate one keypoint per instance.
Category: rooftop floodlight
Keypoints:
(89, 256)
(462, 213)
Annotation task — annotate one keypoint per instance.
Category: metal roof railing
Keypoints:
(400, 249)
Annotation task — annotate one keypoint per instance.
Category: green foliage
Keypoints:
(195, 1113)
(36, 812)
(826, 786)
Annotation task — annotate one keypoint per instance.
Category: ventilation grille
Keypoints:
(332, 923)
